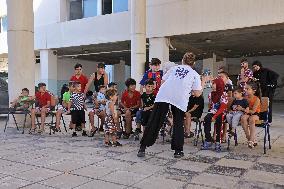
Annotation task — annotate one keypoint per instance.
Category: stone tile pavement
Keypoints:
(60, 161)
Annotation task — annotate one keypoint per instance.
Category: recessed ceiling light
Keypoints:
(259, 52)
(228, 50)
(267, 51)
(208, 40)
(274, 50)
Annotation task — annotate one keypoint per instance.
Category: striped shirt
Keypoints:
(77, 101)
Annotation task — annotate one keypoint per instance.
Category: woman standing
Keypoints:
(178, 84)
(99, 78)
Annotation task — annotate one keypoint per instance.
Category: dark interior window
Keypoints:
(107, 7)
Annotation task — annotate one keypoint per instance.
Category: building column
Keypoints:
(21, 57)
(159, 48)
(209, 65)
(138, 38)
(48, 69)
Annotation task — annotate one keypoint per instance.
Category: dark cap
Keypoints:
(101, 65)
(112, 84)
(155, 61)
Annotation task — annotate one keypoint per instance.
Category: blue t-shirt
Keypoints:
(243, 103)
(145, 76)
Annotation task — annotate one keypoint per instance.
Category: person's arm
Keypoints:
(105, 79)
(222, 108)
(138, 102)
(122, 102)
(193, 108)
(256, 104)
(198, 86)
(91, 79)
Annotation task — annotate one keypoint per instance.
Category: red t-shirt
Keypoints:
(82, 79)
(130, 102)
(42, 98)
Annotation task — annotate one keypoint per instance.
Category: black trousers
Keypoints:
(207, 127)
(156, 121)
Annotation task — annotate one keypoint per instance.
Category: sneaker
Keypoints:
(74, 134)
(84, 133)
(93, 132)
(178, 154)
(136, 137)
(116, 144)
(141, 153)
(190, 135)
(217, 147)
(32, 131)
(206, 146)
(126, 136)
(108, 144)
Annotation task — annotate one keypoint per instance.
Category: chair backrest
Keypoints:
(264, 104)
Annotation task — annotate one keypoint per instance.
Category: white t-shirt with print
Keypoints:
(179, 81)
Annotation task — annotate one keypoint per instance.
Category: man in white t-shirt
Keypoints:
(178, 84)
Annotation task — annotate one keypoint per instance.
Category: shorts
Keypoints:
(62, 108)
(109, 126)
(195, 114)
(38, 110)
(78, 117)
(133, 111)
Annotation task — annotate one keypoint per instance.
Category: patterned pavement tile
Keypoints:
(235, 163)
(202, 159)
(244, 157)
(228, 171)
(269, 168)
(257, 185)
(156, 181)
(262, 176)
(178, 174)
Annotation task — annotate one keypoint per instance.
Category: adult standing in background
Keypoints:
(246, 74)
(268, 83)
(99, 78)
(79, 76)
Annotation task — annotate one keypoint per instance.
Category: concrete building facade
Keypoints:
(125, 33)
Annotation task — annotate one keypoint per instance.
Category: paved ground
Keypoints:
(59, 161)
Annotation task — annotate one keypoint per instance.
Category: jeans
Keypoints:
(207, 127)
(233, 118)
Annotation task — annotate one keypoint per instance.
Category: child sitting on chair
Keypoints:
(218, 101)
(194, 110)
(64, 106)
(23, 101)
(147, 103)
(130, 104)
(100, 100)
(76, 107)
(42, 107)
(251, 115)
(110, 127)
(237, 109)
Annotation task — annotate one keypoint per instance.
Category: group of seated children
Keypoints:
(245, 108)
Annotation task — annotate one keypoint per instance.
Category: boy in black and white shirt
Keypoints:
(76, 106)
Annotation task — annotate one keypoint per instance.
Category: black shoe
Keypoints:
(74, 134)
(116, 144)
(118, 135)
(141, 153)
(126, 136)
(92, 133)
(137, 131)
(178, 154)
(101, 129)
(108, 144)
(84, 133)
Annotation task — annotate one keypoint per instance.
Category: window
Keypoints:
(76, 11)
(106, 6)
(120, 5)
(90, 8)
(3, 24)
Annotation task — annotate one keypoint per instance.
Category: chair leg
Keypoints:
(196, 133)
(236, 138)
(229, 142)
(24, 123)
(264, 141)
(268, 132)
(200, 129)
(7, 120)
(64, 123)
(15, 121)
